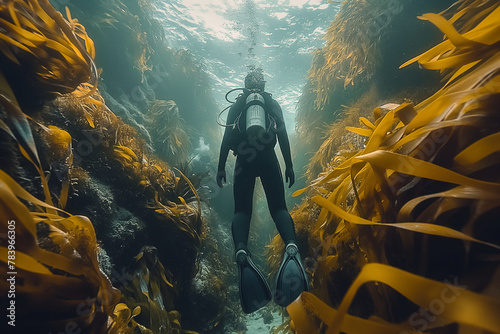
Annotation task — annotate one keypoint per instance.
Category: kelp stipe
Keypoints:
(429, 174)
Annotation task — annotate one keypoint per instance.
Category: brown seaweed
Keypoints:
(420, 166)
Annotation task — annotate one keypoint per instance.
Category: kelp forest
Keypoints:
(107, 223)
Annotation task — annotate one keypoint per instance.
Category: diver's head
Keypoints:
(255, 80)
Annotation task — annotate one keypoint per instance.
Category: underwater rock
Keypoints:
(210, 304)
(121, 233)
(204, 301)
(267, 317)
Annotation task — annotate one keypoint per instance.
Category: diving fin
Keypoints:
(254, 290)
(291, 279)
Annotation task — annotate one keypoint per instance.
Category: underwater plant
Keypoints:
(168, 129)
(58, 279)
(44, 56)
(168, 202)
(396, 226)
(338, 137)
(350, 55)
(151, 294)
(43, 52)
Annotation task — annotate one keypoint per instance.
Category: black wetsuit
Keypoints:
(256, 158)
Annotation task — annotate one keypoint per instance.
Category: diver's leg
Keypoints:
(272, 181)
(291, 278)
(253, 287)
(244, 184)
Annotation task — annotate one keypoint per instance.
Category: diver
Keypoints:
(254, 124)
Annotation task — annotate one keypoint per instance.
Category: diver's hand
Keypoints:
(221, 175)
(289, 176)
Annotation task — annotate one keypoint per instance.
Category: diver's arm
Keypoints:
(224, 147)
(284, 143)
(285, 147)
(224, 151)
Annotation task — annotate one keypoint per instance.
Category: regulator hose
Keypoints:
(226, 97)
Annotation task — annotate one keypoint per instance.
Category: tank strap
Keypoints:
(237, 122)
(272, 123)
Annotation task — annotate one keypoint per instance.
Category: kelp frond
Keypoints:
(168, 129)
(424, 186)
(56, 257)
(350, 53)
(151, 295)
(70, 267)
(56, 52)
(17, 126)
(169, 203)
(338, 139)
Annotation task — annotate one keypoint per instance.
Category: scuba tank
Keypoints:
(255, 115)
(253, 119)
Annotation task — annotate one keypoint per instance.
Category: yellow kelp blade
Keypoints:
(366, 122)
(461, 71)
(343, 168)
(457, 192)
(26, 230)
(462, 306)
(416, 167)
(483, 37)
(380, 132)
(126, 151)
(24, 262)
(192, 189)
(453, 35)
(19, 123)
(421, 132)
(479, 150)
(426, 228)
(22, 193)
(360, 131)
(60, 141)
(307, 303)
(300, 192)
